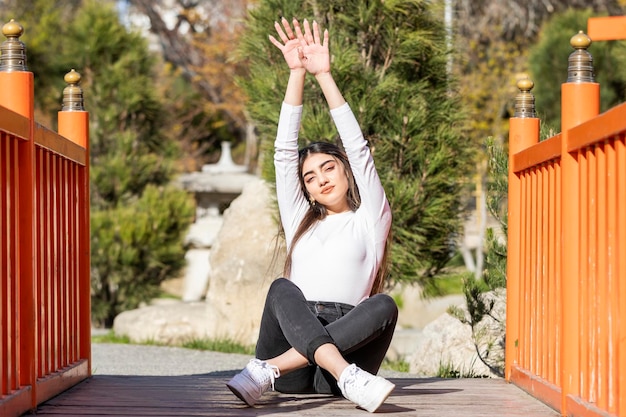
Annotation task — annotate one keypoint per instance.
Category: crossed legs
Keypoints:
(294, 340)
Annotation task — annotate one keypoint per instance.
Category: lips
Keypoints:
(327, 189)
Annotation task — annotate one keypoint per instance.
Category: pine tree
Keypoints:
(138, 220)
(137, 217)
(481, 294)
(389, 59)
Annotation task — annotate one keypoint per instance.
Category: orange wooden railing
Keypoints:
(44, 239)
(566, 271)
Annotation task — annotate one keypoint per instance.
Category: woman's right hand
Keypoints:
(290, 46)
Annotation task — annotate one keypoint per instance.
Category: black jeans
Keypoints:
(362, 334)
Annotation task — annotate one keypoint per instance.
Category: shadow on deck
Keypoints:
(207, 395)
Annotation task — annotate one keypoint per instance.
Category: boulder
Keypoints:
(197, 274)
(451, 344)
(242, 265)
(167, 323)
(246, 257)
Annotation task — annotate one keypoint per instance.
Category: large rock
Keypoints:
(244, 262)
(415, 312)
(451, 344)
(242, 269)
(197, 274)
(169, 323)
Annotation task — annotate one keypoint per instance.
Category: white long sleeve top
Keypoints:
(337, 258)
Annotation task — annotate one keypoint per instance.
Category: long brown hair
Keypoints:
(318, 212)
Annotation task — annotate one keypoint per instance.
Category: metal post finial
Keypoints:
(72, 94)
(12, 51)
(580, 62)
(525, 100)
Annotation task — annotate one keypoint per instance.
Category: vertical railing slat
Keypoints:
(601, 295)
(63, 251)
(56, 277)
(612, 275)
(536, 268)
(5, 267)
(589, 309)
(525, 270)
(8, 264)
(39, 296)
(585, 299)
(551, 289)
(557, 381)
(620, 323)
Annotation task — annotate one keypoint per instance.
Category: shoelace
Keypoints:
(273, 373)
(357, 378)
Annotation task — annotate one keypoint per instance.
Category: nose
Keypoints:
(322, 180)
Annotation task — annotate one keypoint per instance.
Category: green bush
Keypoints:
(135, 247)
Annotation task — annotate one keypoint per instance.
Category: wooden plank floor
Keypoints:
(207, 395)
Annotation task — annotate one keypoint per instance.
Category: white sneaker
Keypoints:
(256, 378)
(364, 389)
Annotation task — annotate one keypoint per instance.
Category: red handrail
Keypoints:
(44, 250)
(566, 328)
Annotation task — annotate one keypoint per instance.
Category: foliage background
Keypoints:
(157, 112)
(548, 61)
(389, 59)
(137, 217)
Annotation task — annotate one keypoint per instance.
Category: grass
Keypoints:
(448, 370)
(110, 337)
(224, 346)
(397, 365)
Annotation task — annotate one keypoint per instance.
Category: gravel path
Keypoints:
(145, 360)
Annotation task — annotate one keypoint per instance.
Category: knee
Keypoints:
(280, 288)
(278, 283)
(386, 306)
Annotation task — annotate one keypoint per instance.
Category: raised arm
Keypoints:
(290, 47)
(291, 201)
(315, 56)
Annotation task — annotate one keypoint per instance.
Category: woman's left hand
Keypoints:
(313, 52)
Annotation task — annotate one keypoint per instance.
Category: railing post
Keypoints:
(580, 101)
(17, 94)
(523, 133)
(74, 125)
(73, 119)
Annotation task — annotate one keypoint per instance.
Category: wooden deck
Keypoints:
(207, 395)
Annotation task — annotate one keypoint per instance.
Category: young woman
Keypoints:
(325, 328)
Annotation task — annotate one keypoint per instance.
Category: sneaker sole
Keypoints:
(241, 393)
(385, 388)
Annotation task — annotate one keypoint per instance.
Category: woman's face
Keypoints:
(325, 179)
